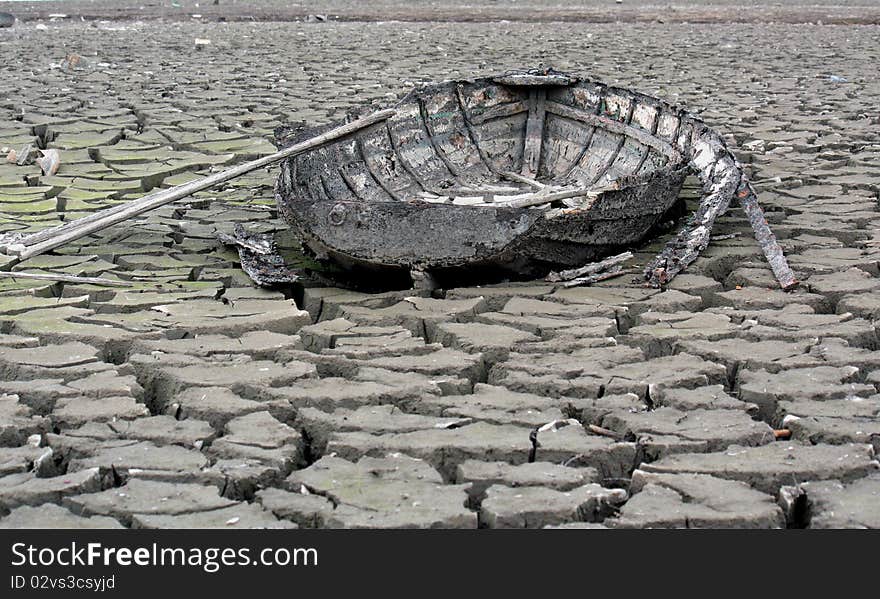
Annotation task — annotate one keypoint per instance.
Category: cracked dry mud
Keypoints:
(191, 399)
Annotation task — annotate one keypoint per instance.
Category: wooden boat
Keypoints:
(523, 172)
(526, 171)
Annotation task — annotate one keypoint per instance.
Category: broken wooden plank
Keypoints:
(614, 271)
(723, 181)
(766, 239)
(259, 257)
(534, 132)
(497, 112)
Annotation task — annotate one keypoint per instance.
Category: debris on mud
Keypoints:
(259, 257)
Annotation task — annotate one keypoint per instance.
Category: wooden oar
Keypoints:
(49, 239)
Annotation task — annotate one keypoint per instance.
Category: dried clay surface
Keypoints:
(190, 398)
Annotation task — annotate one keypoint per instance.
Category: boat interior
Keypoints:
(520, 140)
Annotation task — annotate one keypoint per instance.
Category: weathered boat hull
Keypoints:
(457, 177)
(427, 236)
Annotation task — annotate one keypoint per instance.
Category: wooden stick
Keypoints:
(589, 269)
(52, 238)
(604, 432)
(766, 239)
(63, 278)
(521, 179)
(614, 271)
(542, 197)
